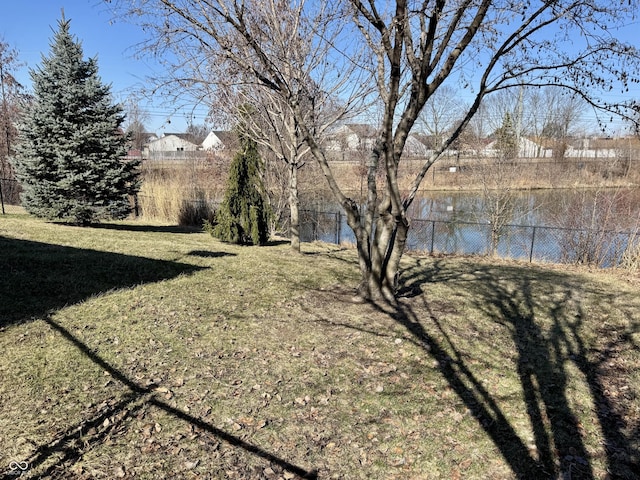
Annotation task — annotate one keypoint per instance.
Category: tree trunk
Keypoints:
(379, 257)
(294, 206)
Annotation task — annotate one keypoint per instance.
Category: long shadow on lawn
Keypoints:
(542, 353)
(70, 445)
(38, 278)
(129, 227)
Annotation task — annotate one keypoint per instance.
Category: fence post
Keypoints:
(136, 205)
(1, 195)
(533, 238)
(433, 235)
(338, 227)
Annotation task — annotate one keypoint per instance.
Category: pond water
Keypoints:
(588, 226)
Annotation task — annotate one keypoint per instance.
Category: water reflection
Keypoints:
(576, 226)
(617, 209)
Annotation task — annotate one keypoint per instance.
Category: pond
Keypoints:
(596, 226)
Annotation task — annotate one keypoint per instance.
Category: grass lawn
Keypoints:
(138, 350)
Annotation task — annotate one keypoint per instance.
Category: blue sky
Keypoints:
(28, 26)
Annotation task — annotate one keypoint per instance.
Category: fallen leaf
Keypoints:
(147, 429)
(248, 421)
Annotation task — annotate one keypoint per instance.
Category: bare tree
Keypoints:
(497, 179)
(271, 57)
(497, 106)
(198, 132)
(275, 127)
(560, 115)
(135, 123)
(413, 49)
(440, 113)
(12, 97)
(271, 123)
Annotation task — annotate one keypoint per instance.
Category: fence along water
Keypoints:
(534, 243)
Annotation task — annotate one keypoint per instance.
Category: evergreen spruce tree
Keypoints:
(69, 159)
(507, 141)
(243, 217)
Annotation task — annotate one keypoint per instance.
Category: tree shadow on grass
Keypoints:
(128, 227)
(516, 298)
(38, 278)
(69, 446)
(209, 254)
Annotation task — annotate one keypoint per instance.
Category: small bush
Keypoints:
(193, 213)
(243, 217)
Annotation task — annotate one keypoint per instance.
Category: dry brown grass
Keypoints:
(160, 353)
(178, 191)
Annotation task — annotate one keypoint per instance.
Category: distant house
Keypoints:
(220, 140)
(419, 145)
(172, 142)
(352, 137)
(359, 137)
(181, 146)
(527, 149)
(595, 148)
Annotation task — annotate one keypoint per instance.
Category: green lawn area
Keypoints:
(140, 350)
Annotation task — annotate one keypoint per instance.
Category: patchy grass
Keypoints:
(142, 350)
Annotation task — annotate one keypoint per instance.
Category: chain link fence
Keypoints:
(532, 243)
(10, 196)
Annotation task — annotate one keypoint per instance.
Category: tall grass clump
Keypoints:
(181, 192)
(594, 228)
(631, 255)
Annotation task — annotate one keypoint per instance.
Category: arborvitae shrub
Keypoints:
(243, 216)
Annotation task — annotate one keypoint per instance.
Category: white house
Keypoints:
(219, 140)
(527, 149)
(419, 145)
(352, 137)
(588, 148)
(171, 142)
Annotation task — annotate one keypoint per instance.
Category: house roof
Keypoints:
(227, 137)
(362, 130)
(188, 137)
